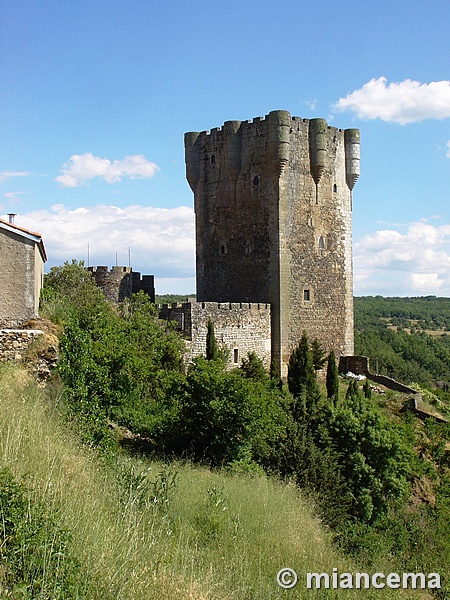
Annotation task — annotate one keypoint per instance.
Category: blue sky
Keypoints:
(95, 98)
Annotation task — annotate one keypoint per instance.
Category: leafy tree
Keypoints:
(374, 458)
(69, 287)
(353, 392)
(113, 362)
(394, 332)
(223, 417)
(332, 377)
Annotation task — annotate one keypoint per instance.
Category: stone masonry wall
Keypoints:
(15, 342)
(241, 327)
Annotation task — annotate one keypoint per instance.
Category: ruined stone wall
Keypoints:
(273, 206)
(15, 342)
(121, 282)
(18, 290)
(241, 327)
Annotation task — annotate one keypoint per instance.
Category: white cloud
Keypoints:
(161, 240)
(417, 262)
(425, 282)
(162, 243)
(311, 104)
(405, 102)
(81, 168)
(13, 197)
(448, 149)
(4, 175)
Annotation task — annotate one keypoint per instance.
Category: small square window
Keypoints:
(306, 295)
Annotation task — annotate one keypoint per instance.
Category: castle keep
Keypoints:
(273, 203)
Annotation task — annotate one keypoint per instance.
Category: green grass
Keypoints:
(145, 530)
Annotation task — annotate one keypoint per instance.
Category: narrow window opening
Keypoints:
(306, 295)
(334, 188)
(321, 243)
(247, 247)
(213, 159)
(203, 305)
(236, 356)
(222, 249)
(255, 180)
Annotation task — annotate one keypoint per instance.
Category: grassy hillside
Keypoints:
(133, 529)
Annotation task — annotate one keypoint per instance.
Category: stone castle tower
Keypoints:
(273, 204)
(120, 282)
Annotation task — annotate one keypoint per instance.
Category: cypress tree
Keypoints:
(332, 378)
(318, 354)
(301, 373)
(211, 344)
(367, 390)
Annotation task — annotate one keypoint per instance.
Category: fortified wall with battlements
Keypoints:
(273, 205)
(121, 282)
(241, 327)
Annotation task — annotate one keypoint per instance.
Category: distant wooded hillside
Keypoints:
(408, 338)
(169, 298)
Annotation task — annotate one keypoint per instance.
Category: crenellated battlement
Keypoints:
(225, 306)
(295, 122)
(228, 146)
